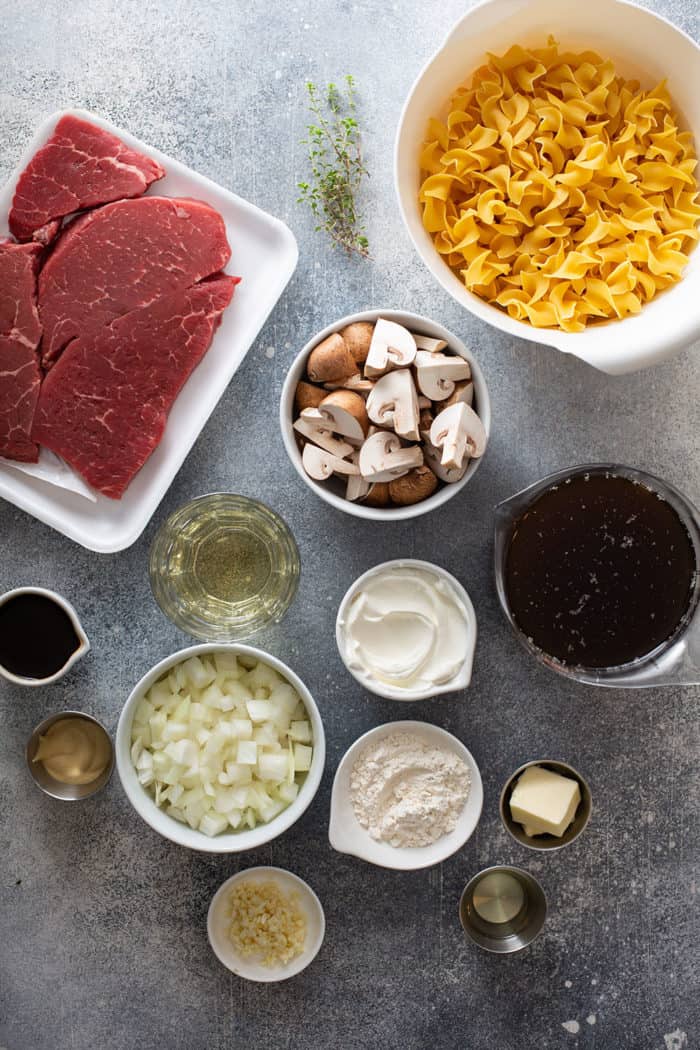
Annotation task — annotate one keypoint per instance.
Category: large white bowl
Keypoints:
(347, 835)
(644, 46)
(331, 490)
(234, 841)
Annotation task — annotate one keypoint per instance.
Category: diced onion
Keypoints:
(222, 743)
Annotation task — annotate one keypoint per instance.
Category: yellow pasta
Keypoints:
(558, 190)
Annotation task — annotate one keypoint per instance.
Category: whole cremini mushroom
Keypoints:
(378, 495)
(330, 360)
(307, 395)
(358, 337)
(413, 487)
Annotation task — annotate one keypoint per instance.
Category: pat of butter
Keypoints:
(544, 802)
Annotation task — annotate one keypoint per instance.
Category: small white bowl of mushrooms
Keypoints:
(385, 414)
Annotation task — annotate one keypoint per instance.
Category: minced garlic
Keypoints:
(265, 921)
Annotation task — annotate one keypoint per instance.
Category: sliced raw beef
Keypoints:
(80, 166)
(104, 405)
(122, 257)
(20, 331)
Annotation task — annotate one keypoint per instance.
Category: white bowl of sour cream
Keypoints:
(406, 630)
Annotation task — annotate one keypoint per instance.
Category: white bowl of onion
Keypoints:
(220, 748)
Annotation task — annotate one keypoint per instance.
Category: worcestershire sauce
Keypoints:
(600, 571)
(37, 636)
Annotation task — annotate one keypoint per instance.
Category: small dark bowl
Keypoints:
(547, 842)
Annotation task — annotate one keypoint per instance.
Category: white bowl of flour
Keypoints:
(406, 795)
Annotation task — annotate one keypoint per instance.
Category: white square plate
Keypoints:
(264, 255)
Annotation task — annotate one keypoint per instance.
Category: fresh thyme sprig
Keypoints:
(337, 169)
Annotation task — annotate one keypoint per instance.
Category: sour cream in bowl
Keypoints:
(406, 630)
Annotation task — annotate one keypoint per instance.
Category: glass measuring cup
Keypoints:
(675, 661)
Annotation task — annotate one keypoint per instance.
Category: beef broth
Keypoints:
(600, 570)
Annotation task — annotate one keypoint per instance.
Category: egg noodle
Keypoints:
(560, 191)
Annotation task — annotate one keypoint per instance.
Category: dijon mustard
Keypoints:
(74, 750)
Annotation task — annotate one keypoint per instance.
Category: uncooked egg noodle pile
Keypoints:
(560, 191)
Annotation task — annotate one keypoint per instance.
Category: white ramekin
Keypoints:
(183, 834)
(219, 920)
(416, 323)
(644, 46)
(460, 681)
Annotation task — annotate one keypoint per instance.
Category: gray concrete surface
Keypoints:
(102, 923)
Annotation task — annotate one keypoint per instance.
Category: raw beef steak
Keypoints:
(122, 257)
(80, 166)
(104, 405)
(20, 331)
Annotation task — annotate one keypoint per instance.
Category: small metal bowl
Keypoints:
(47, 783)
(517, 930)
(547, 842)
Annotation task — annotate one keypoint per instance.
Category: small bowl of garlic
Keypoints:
(385, 414)
(265, 924)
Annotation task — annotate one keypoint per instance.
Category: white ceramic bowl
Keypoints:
(183, 834)
(459, 681)
(218, 922)
(332, 490)
(643, 45)
(347, 835)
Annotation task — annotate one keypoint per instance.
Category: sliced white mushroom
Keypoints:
(436, 374)
(392, 346)
(356, 383)
(357, 487)
(343, 413)
(320, 464)
(462, 392)
(322, 437)
(424, 402)
(426, 342)
(394, 403)
(432, 458)
(383, 457)
(459, 432)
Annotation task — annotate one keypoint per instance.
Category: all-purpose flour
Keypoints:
(408, 792)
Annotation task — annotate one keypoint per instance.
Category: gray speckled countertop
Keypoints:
(102, 923)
